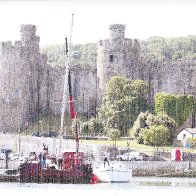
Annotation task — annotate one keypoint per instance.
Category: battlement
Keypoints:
(28, 39)
(117, 31)
(6, 47)
(28, 34)
(17, 44)
(28, 29)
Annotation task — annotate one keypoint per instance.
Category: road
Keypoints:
(24, 144)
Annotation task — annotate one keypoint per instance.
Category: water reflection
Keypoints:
(137, 183)
(165, 182)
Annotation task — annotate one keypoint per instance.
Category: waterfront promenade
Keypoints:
(29, 144)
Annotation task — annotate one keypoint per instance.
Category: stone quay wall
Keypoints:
(162, 168)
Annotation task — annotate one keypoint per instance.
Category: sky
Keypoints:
(143, 19)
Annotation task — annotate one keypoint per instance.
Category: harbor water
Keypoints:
(137, 186)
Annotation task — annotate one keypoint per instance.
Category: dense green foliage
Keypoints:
(124, 99)
(168, 49)
(178, 107)
(156, 135)
(147, 120)
(114, 135)
(139, 127)
(158, 50)
(92, 127)
(122, 102)
(82, 56)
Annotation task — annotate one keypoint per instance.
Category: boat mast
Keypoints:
(67, 53)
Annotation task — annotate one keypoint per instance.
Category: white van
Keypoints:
(130, 156)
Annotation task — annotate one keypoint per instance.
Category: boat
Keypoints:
(72, 170)
(114, 173)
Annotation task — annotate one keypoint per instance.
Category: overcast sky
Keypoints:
(143, 19)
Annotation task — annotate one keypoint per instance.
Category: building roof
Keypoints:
(191, 130)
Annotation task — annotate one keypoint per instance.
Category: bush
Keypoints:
(96, 126)
(92, 127)
(138, 128)
(156, 135)
(114, 135)
(147, 120)
(192, 142)
(84, 128)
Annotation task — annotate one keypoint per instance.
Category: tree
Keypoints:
(122, 102)
(96, 126)
(146, 120)
(84, 128)
(114, 135)
(92, 127)
(156, 135)
(166, 121)
(139, 126)
(178, 107)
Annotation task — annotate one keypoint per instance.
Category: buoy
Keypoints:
(94, 179)
(178, 155)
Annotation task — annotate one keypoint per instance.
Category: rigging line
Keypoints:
(67, 52)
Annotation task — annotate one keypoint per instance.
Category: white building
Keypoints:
(186, 133)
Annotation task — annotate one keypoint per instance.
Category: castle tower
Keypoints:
(22, 80)
(115, 56)
(29, 37)
(117, 32)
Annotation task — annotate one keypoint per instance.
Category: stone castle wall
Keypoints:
(84, 85)
(172, 77)
(21, 73)
(30, 88)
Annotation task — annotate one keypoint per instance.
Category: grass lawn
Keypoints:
(134, 145)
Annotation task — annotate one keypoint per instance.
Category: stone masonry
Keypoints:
(21, 75)
(117, 56)
(30, 88)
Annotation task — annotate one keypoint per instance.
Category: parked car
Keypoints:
(3, 153)
(16, 156)
(45, 134)
(52, 133)
(36, 134)
(130, 156)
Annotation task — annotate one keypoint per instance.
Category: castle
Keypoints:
(29, 87)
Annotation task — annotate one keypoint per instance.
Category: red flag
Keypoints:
(71, 106)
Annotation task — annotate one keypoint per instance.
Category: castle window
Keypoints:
(111, 58)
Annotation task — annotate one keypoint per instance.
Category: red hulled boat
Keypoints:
(72, 170)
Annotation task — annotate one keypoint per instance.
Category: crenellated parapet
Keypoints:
(6, 48)
(117, 31)
(29, 37)
(18, 44)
